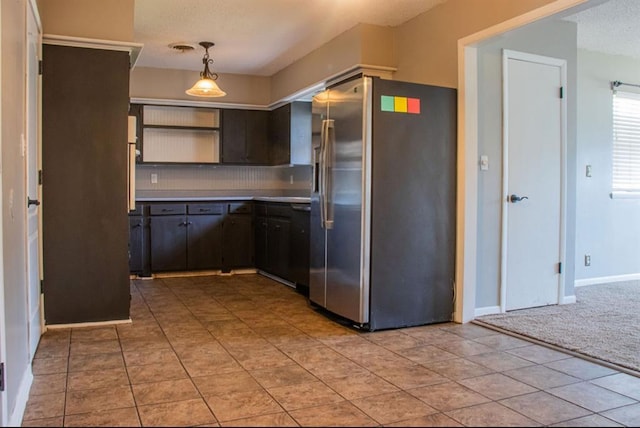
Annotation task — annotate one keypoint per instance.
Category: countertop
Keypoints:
(240, 195)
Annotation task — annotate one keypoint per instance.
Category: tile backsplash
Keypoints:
(224, 177)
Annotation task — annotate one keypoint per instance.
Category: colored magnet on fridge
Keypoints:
(400, 104)
(413, 105)
(386, 103)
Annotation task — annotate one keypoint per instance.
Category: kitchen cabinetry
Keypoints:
(139, 241)
(245, 136)
(198, 236)
(290, 134)
(177, 134)
(282, 241)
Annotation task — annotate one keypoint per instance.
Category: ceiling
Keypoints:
(261, 37)
(258, 37)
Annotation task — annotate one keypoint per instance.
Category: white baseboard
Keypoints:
(606, 279)
(89, 324)
(15, 418)
(487, 310)
(566, 300)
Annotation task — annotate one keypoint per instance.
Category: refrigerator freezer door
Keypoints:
(347, 285)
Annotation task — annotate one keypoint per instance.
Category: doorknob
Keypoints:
(32, 202)
(515, 198)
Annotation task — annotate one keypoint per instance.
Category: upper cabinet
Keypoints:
(290, 134)
(245, 138)
(176, 134)
(199, 135)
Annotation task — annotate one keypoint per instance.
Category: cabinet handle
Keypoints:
(189, 222)
(167, 210)
(137, 225)
(277, 226)
(203, 210)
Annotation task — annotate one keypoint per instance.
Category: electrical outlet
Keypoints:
(587, 260)
(588, 171)
(290, 178)
(154, 178)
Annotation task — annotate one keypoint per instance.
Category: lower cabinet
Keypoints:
(300, 244)
(199, 236)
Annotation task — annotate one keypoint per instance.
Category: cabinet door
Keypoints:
(260, 240)
(204, 242)
(234, 136)
(279, 135)
(257, 134)
(168, 243)
(237, 241)
(278, 246)
(300, 247)
(136, 239)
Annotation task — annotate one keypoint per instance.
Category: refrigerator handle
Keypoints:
(328, 163)
(321, 171)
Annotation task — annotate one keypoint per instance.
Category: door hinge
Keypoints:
(1, 377)
(561, 92)
(40, 67)
(40, 177)
(560, 267)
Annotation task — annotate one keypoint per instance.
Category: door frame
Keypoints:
(467, 149)
(504, 251)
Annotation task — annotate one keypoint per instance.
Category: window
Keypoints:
(626, 144)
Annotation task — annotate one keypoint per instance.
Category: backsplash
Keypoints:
(224, 177)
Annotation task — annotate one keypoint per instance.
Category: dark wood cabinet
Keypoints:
(245, 138)
(168, 242)
(261, 229)
(204, 236)
(278, 246)
(237, 242)
(290, 134)
(300, 244)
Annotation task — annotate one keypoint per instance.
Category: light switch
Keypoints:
(484, 163)
(154, 178)
(588, 171)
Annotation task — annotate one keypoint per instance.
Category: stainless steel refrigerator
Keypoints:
(383, 203)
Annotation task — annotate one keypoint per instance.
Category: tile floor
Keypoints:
(244, 350)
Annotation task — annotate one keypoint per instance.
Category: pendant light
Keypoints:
(206, 86)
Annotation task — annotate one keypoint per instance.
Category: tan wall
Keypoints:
(94, 19)
(427, 45)
(165, 83)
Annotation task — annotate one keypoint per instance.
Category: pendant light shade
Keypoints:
(206, 86)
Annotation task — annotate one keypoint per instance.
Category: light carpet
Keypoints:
(604, 323)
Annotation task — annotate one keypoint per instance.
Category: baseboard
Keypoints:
(487, 310)
(566, 300)
(88, 324)
(182, 274)
(277, 278)
(606, 279)
(15, 418)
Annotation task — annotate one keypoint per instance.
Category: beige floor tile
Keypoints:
(500, 361)
(302, 395)
(48, 422)
(497, 386)
(393, 407)
(165, 391)
(79, 363)
(207, 366)
(156, 372)
(468, 331)
(42, 366)
(581, 369)
(544, 408)
(627, 415)
(179, 413)
(98, 333)
(502, 342)
(127, 417)
(273, 420)
(93, 400)
(465, 347)
(409, 377)
(621, 383)
(52, 350)
(281, 376)
(359, 385)
(459, 368)
(262, 360)
(342, 414)
(239, 405)
(538, 354)
(151, 356)
(541, 377)
(44, 406)
(94, 379)
(226, 383)
(48, 384)
(448, 396)
(83, 347)
(490, 415)
(394, 340)
(591, 396)
(588, 422)
(427, 354)
(435, 420)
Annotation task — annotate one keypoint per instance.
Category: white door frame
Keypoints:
(467, 148)
(562, 65)
(3, 352)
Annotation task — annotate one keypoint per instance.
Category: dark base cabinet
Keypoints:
(300, 244)
(139, 241)
(237, 237)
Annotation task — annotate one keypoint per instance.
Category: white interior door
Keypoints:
(32, 160)
(534, 141)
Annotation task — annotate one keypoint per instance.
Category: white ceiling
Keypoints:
(260, 37)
